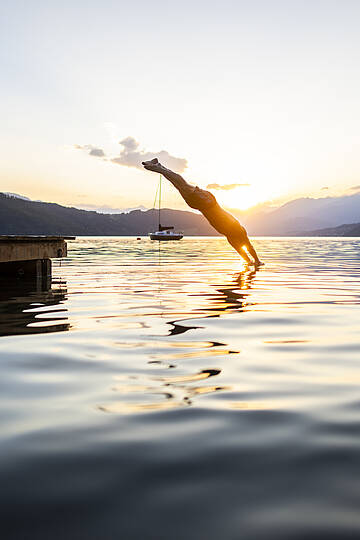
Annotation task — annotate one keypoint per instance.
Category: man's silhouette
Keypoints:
(203, 200)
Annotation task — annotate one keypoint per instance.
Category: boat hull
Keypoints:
(165, 237)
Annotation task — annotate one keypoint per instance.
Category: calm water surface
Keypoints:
(167, 392)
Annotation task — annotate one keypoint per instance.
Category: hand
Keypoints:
(153, 165)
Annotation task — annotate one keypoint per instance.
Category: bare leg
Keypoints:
(173, 177)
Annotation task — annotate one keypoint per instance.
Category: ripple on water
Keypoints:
(169, 392)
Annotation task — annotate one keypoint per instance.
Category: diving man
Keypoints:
(205, 201)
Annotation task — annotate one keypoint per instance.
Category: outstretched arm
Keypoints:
(253, 253)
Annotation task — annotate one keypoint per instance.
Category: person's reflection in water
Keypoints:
(24, 308)
(180, 390)
(232, 297)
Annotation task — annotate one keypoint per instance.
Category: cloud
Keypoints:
(91, 150)
(130, 144)
(354, 188)
(98, 152)
(324, 188)
(132, 156)
(226, 187)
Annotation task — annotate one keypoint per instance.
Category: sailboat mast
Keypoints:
(159, 202)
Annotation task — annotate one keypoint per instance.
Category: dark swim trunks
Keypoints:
(200, 199)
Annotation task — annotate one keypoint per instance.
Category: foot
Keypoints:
(259, 263)
(153, 165)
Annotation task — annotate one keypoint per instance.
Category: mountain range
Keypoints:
(305, 216)
(19, 216)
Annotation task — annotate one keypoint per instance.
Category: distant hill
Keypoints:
(300, 217)
(19, 216)
(16, 196)
(349, 229)
(304, 215)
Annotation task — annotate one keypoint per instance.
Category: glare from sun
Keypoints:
(240, 198)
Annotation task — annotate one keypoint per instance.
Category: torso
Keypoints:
(221, 220)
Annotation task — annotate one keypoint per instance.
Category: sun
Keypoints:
(241, 198)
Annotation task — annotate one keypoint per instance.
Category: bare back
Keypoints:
(206, 203)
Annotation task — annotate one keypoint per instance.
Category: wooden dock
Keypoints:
(30, 256)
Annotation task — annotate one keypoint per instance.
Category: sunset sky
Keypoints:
(260, 93)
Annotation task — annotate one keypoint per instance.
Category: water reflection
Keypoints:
(179, 390)
(236, 295)
(33, 307)
(188, 377)
(232, 296)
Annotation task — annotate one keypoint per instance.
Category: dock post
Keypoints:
(29, 257)
(38, 268)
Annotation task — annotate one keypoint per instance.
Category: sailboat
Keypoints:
(164, 232)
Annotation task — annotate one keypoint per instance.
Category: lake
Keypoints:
(169, 392)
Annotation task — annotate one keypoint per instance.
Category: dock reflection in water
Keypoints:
(27, 307)
(190, 397)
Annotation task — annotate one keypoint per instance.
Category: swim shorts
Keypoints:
(200, 199)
